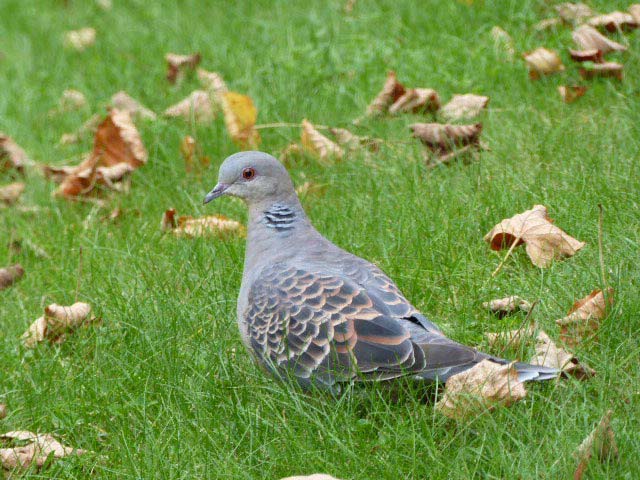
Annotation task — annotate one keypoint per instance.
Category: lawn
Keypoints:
(164, 388)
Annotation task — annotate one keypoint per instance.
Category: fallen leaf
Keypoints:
(583, 320)
(591, 55)
(573, 12)
(213, 83)
(542, 61)
(37, 452)
(588, 38)
(71, 100)
(507, 305)
(416, 100)
(391, 91)
(10, 194)
(601, 442)
(10, 275)
(87, 128)
(104, 4)
(192, 154)
(442, 138)
(571, 93)
(80, 39)
(309, 189)
(466, 106)
(544, 241)
(634, 10)
(480, 388)
(607, 69)
(350, 141)
(316, 143)
(209, 225)
(614, 21)
(547, 24)
(514, 338)
(549, 354)
(122, 101)
(3, 411)
(11, 155)
(56, 321)
(315, 476)
(177, 64)
(503, 43)
(240, 116)
(197, 107)
(290, 153)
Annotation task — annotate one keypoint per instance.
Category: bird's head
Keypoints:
(253, 177)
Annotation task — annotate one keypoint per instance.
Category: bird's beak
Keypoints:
(217, 191)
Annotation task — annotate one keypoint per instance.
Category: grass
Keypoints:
(164, 389)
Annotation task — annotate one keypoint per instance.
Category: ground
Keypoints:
(164, 389)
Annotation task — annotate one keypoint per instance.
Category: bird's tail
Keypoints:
(538, 373)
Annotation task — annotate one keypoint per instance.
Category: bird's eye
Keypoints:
(248, 173)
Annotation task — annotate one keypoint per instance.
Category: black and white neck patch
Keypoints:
(279, 217)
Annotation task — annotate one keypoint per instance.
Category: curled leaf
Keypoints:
(11, 155)
(588, 38)
(390, 93)
(549, 354)
(507, 305)
(209, 225)
(324, 149)
(9, 194)
(464, 106)
(583, 320)
(571, 93)
(544, 241)
(416, 100)
(542, 61)
(443, 138)
(606, 69)
(80, 39)
(503, 43)
(515, 338)
(36, 453)
(614, 21)
(634, 10)
(240, 116)
(122, 101)
(601, 442)
(197, 106)
(178, 64)
(56, 321)
(480, 388)
(10, 275)
(591, 55)
(573, 12)
(351, 141)
(213, 83)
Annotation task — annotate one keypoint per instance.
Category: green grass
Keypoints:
(164, 388)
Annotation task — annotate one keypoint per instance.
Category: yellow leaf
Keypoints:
(240, 115)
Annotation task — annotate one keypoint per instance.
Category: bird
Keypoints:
(315, 314)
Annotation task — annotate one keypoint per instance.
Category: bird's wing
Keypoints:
(325, 327)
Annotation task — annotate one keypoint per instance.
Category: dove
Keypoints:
(316, 314)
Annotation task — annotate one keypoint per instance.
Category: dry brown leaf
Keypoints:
(71, 100)
(507, 305)
(88, 127)
(314, 142)
(542, 61)
(583, 320)
(56, 321)
(547, 24)
(416, 100)
(614, 21)
(601, 442)
(544, 241)
(571, 93)
(240, 116)
(197, 106)
(315, 476)
(37, 452)
(549, 354)
(591, 55)
(213, 83)
(350, 141)
(192, 155)
(465, 106)
(178, 64)
(573, 12)
(634, 10)
(104, 4)
(10, 275)
(514, 338)
(607, 69)
(11, 155)
(9, 194)
(391, 91)
(310, 189)
(480, 388)
(588, 38)
(291, 153)
(3, 411)
(209, 225)
(122, 101)
(80, 39)
(503, 43)
(443, 138)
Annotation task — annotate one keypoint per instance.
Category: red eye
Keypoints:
(248, 173)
